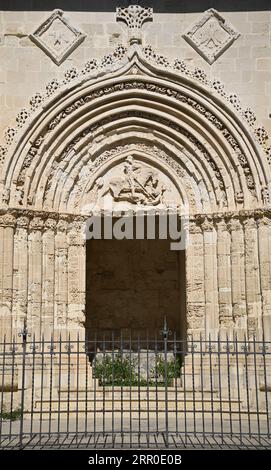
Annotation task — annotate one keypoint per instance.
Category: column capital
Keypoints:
(234, 225)
(7, 220)
(36, 224)
(249, 223)
(50, 224)
(22, 222)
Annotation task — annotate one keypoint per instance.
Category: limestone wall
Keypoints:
(42, 255)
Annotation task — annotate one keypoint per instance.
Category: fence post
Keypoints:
(24, 333)
(165, 333)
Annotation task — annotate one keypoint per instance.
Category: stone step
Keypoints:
(134, 393)
(144, 405)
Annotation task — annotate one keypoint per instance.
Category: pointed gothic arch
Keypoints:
(174, 123)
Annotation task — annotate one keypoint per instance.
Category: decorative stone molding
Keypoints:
(95, 66)
(211, 35)
(197, 221)
(218, 87)
(57, 37)
(164, 91)
(134, 16)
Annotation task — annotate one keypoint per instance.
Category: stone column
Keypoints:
(253, 290)
(61, 276)
(7, 225)
(210, 279)
(224, 278)
(20, 276)
(195, 281)
(48, 277)
(238, 277)
(76, 280)
(35, 275)
(264, 232)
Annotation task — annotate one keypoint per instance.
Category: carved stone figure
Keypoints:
(138, 185)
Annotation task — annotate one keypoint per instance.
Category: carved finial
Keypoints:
(134, 16)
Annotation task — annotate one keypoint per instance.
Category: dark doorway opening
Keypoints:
(131, 285)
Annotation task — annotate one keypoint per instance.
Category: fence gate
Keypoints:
(134, 392)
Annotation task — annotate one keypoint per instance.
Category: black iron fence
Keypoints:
(134, 392)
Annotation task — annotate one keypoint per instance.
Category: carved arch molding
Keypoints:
(134, 108)
(129, 101)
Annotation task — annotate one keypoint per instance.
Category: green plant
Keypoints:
(11, 415)
(116, 370)
(169, 370)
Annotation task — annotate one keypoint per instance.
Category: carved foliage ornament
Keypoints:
(134, 17)
(57, 37)
(211, 35)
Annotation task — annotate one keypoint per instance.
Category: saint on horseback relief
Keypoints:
(135, 183)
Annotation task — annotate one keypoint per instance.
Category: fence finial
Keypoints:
(24, 332)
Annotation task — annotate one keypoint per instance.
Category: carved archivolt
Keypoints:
(135, 84)
(116, 59)
(136, 96)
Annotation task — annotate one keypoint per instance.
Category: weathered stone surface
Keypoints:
(138, 127)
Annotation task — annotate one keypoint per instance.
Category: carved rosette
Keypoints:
(134, 17)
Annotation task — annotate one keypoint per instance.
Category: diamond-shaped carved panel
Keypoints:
(211, 35)
(57, 37)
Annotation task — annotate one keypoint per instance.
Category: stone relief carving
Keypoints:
(138, 184)
(57, 37)
(211, 35)
(134, 16)
(108, 155)
(185, 133)
(179, 97)
(23, 218)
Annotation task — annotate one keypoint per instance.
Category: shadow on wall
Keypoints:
(159, 6)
